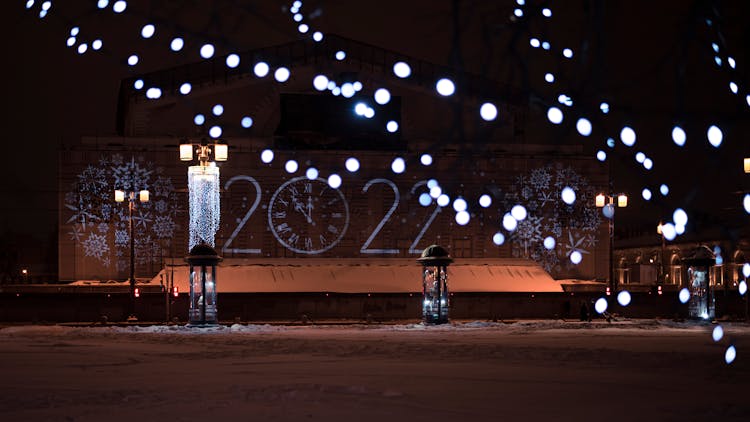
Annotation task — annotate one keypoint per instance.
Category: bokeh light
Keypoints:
(291, 166)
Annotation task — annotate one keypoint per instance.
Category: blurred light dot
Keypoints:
(281, 74)
(576, 257)
(555, 115)
(352, 164)
(679, 229)
(746, 203)
(425, 159)
(100, 4)
(357, 86)
(297, 4)
(266, 156)
(96, 45)
(398, 165)
(71, 41)
(445, 87)
(218, 110)
(509, 223)
(138, 84)
(717, 59)
(215, 132)
(488, 111)
(715, 136)
(583, 126)
(568, 53)
(153, 93)
(43, 12)
(177, 44)
(320, 82)
(261, 69)
(382, 96)
(535, 43)
(443, 200)
(312, 173)
(648, 164)
(600, 305)
(425, 199)
(318, 36)
(684, 295)
(347, 90)
(334, 181)
(298, 17)
(133, 60)
(568, 195)
(303, 28)
(664, 189)
(742, 289)
(432, 183)
(518, 212)
(207, 51)
(119, 6)
(340, 55)
(547, 12)
(718, 333)
(546, 45)
(601, 155)
(485, 201)
(435, 191)
(730, 355)
(604, 107)
(549, 77)
(360, 109)
(148, 31)
(730, 60)
(733, 87)
(336, 91)
(462, 218)
(668, 231)
(646, 194)
(291, 166)
(549, 243)
(680, 217)
(498, 238)
(199, 119)
(623, 298)
(185, 88)
(611, 142)
(627, 136)
(678, 136)
(459, 204)
(518, 13)
(608, 210)
(246, 122)
(233, 60)
(715, 47)
(75, 31)
(401, 69)
(391, 126)
(369, 113)
(746, 270)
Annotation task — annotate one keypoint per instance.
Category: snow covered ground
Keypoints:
(474, 371)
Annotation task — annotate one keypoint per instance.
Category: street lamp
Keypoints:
(607, 203)
(746, 165)
(662, 274)
(142, 196)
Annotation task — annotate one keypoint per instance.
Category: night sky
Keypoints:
(653, 64)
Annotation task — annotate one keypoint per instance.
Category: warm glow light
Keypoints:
(221, 152)
(186, 152)
(747, 165)
(143, 196)
(622, 200)
(119, 195)
(600, 200)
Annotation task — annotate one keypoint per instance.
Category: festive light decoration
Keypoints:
(205, 211)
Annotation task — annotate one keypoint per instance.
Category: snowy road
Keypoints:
(534, 370)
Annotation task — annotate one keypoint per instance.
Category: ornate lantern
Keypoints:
(203, 260)
(435, 299)
(701, 303)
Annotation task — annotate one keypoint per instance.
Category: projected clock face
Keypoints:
(307, 215)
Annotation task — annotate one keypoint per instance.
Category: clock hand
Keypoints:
(309, 208)
(299, 207)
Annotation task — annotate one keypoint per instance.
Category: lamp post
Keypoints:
(120, 196)
(607, 203)
(662, 273)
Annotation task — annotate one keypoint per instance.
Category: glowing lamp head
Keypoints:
(747, 165)
(137, 292)
(186, 152)
(600, 200)
(119, 195)
(622, 200)
(143, 196)
(221, 152)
